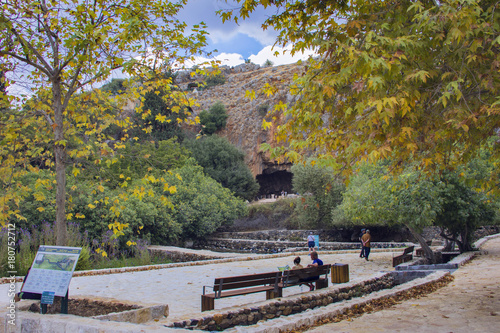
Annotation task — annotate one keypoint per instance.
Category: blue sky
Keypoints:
(235, 43)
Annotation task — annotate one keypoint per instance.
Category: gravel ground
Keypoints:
(471, 303)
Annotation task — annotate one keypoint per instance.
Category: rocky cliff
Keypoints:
(244, 124)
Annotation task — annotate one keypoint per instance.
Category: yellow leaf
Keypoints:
(39, 196)
(41, 209)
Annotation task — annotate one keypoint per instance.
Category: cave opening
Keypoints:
(274, 182)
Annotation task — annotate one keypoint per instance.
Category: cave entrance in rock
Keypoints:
(272, 182)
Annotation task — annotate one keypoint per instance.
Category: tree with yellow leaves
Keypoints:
(58, 52)
(406, 80)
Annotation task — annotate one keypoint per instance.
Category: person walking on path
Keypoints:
(361, 254)
(310, 242)
(366, 244)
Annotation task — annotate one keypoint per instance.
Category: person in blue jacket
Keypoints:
(316, 262)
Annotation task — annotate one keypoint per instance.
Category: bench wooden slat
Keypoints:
(244, 284)
(246, 277)
(245, 291)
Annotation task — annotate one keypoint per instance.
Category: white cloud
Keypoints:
(267, 53)
(228, 59)
(284, 56)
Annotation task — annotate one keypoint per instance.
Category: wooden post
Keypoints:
(340, 273)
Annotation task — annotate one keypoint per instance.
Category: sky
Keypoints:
(236, 43)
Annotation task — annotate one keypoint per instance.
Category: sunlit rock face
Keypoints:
(244, 124)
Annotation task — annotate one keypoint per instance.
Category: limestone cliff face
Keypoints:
(244, 123)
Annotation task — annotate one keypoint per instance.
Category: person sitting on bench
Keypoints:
(316, 262)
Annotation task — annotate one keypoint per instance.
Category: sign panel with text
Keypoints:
(52, 270)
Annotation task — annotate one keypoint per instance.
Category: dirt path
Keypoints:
(471, 303)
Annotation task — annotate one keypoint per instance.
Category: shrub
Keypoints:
(215, 80)
(321, 192)
(226, 164)
(200, 204)
(214, 119)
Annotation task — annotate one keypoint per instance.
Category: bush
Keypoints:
(200, 204)
(321, 193)
(214, 119)
(215, 80)
(226, 164)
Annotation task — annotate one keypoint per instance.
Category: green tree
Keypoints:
(61, 50)
(412, 199)
(407, 79)
(463, 210)
(268, 63)
(214, 119)
(115, 86)
(321, 193)
(226, 164)
(201, 205)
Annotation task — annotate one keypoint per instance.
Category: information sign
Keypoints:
(47, 297)
(52, 270)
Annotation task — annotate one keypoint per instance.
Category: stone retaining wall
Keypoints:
(141, 313)
(382, 234)
(265, 246)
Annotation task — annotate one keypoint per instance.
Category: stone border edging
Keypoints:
(483, 240)
(143, 312)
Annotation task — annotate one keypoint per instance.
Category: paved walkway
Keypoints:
(181, 287)
(471, 303)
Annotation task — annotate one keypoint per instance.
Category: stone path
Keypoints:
(181, 287)
(471, 303)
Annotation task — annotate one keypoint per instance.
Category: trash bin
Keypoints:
(340, 273)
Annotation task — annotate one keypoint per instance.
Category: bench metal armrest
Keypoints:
(207, 287)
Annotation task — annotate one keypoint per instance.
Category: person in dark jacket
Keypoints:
(361, 255)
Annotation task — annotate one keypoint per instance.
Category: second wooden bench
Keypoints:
(242, 285)
(406, 256)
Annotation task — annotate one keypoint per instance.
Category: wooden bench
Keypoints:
(406, 256)
(242, 285)
(420, 251)
(295, 277)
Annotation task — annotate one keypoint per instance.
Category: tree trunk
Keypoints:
(429, 254)
(60, 161)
